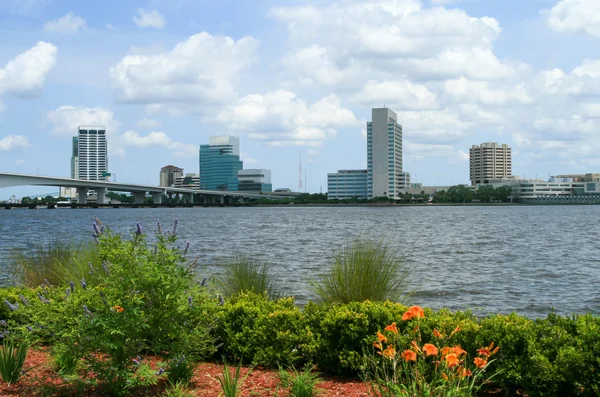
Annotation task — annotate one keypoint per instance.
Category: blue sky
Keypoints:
(292, 77)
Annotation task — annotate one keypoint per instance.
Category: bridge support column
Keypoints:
(170, 198)
(222, 199)
(188, 198)
(101, 195)
(139, 197)
(82, 195)
(157, 197)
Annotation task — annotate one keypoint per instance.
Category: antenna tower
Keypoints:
(300, 174)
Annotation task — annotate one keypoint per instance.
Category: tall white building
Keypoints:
(489, 161)
(92, 153)
(384, 155)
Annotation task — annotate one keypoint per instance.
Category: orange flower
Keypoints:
(455, 331)
(437, 333)
(488, 351)
(430, 350)
(417, 348)
(381, 337)
(392, 328)
(390, 352)
(445, 351)
(409, 355)
(480, 362)
(463, 372)
(459, 351)
(119, 309)
(445, 376)
(378, 345)
(413, 311)
(452, 360)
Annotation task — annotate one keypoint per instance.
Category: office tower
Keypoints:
(220, 163)
(384, 155)
(347, 184)
(75, 158)
(169, 174)
(92, 153)
(255, 180)
(489, 161)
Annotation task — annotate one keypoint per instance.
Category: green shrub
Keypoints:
(363, 270)
(265, 332)
(180, 370)
(12, 358)
(243, 274)
(299, 384)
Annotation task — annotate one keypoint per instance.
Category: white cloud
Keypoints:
(149, 19)
(66, 119)
(247, 159)
(575, 16)
(280, 118)
(13, 142)
(467, 91)
(70, 23)
(398, 95)
(147, 123)
(433, 127)
(153, 139)
(26, 74)
(200, 71)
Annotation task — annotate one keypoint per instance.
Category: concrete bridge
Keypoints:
(139, 191)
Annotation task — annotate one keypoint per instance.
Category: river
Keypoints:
(527, 259)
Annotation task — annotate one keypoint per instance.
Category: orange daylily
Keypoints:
(455, 331)
(417, 348)
(488, 351)
(437, 333)
(463, 372)
(445, 351)
(392, 328)
(452, 360)
(444, 376)
(430, 350)
(119, 309)
(390, 352)
(381, 337)
(378, 345)
(480, 362)
(409, 355)
(413, 311)
(458, 351)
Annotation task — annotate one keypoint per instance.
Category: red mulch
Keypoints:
(40, 379)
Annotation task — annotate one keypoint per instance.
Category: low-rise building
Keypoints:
(189, 181)
(169, 174)
(347, 184)
(255, 180)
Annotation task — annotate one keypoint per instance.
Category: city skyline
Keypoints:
(285, 81)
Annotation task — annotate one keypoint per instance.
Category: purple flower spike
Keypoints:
(187, 247)
(159, 228)
(221, 301)
(24, 300)
(190, 301)
(43, 298)
(3, 323)
(86, 310)
(11, 306)
(72, 284)
(105, 267)
(204, 282)
(139, 229)
(97, 231)
(83, 283)
(91, 267)
(68, 292)
(175, 226)
(47, 283)
(29, 328)
(160, 371)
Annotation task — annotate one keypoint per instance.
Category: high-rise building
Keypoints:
(75, 158)
(489, 161)
(255, 180)
(92, 153)
(347, 184)
(220, 163)
(169, 174)
(384, 155)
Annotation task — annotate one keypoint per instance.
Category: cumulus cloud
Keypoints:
(13, 142)
(280, 118)
(153, 139)
(149, 19)
(25, 75)
(147, 123)
(575, 16)
(200, 71)
(70, 23)
(66, 119)
(398, 95)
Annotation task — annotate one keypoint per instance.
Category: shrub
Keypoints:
(243, 274)
(265, 332)
(12, 358)
(56, 263)
(299, 384)
(180, 370)
(363, 270)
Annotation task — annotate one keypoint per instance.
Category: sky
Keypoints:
(298, 78)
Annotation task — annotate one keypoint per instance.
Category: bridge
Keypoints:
(139, 191)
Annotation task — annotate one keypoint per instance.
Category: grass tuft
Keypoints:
(299, 384)
(363, 270)
(244, 274)
(231, 383)
(12, 359)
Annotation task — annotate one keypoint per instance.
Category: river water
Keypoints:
(527, 259)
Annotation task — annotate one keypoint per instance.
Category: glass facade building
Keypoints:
(347, 184)
(220, 163)
(255, 180)
(384, 155)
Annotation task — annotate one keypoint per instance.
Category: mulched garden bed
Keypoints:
(41, 380)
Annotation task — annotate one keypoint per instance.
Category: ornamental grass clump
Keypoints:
(299, 384)
(244, 274)
(231, 381)
(12, 358)
(363, 270)
(425, 369)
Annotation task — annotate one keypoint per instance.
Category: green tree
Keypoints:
(486, 193)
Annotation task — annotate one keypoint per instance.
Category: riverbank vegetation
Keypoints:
(136, 321)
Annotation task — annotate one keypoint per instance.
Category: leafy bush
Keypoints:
(180, 370)
(363, 270)
(12, 358)
(243, 274)
(265, 332)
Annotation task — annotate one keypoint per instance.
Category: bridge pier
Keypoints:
(221, 199)
(82, 195)
(139, 197)
(157, 197)
(101, 195)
